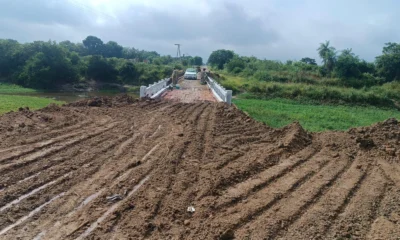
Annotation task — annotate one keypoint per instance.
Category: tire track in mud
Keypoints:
(117, 178)
(94, 225)
(258, 182)
(39, 138)
(59, 166)
(32, 213)
(35, 156)
(334, 200)
(38, 146)
(370, 198)
(56, 157)
(69, 179)
(197, 124)
(241, 176)
(25, 174)
(252, 162)
(257, 203)
(278, 218)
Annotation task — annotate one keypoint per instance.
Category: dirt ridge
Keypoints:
(120, 168)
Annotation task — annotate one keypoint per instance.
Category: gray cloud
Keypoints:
(272, 29)
(42, 12)
(231, 25)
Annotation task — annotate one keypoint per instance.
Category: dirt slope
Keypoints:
(124, 169)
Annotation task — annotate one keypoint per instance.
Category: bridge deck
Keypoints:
(191, 91)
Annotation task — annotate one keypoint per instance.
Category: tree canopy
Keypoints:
(388, 63)
(308, 60)
(343, 68)
(220, 57)
(49, 64)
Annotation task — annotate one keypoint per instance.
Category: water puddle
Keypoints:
(21, 220)
(110, 210)
(16, 201)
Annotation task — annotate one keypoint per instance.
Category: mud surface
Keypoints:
(125, 169)
(191, 91)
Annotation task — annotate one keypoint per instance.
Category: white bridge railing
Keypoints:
(220, 93)
(156, 89)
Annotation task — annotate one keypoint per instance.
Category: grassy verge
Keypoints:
(12, 102)
(315, 118)
(386, 95)
(14, 89)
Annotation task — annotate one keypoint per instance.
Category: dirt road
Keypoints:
(123, 169)
(191, 92)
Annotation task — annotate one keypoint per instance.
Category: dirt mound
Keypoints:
(132, 169)
(117, 101)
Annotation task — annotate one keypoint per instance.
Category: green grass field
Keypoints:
(315, 118)
(14, 89)
(12, 102)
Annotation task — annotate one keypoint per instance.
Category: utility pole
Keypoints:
(178, 53)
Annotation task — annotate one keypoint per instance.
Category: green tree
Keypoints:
(112, 49)
(129, 74)
(101, 69)
(73, 47)
(236, 65)
(366, 67)
(347, 65)
(94, 45)
(185, 62)
(9, 52)
(220, 57)
(328, 55)
(198, 61)
(308, 60)
(48, 68)
(388, 64)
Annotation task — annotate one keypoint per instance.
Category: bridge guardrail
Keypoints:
(220, 93)
(156, 89)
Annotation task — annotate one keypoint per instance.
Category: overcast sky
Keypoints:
(271, 29)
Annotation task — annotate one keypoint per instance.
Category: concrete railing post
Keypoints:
(142, 91)
(229, 97)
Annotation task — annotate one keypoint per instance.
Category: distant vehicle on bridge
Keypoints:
(190, 73)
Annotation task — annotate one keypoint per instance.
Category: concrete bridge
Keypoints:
(189, 91)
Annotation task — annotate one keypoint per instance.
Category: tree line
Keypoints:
(342, 68)
(48, 65)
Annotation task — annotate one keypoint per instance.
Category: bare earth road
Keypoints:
(191, 91)
(127, 169)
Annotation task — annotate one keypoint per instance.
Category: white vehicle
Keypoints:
(191, 73)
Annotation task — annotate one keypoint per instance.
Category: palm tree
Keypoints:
(348, 51)
(328, 55)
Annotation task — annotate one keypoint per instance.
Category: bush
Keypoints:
(262, 76)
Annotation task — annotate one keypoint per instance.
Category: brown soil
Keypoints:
(126, 169)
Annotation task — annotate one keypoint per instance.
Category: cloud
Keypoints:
(231, 25)
(272, 29)
(41, 12)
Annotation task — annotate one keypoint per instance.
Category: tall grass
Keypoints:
(323, 91)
